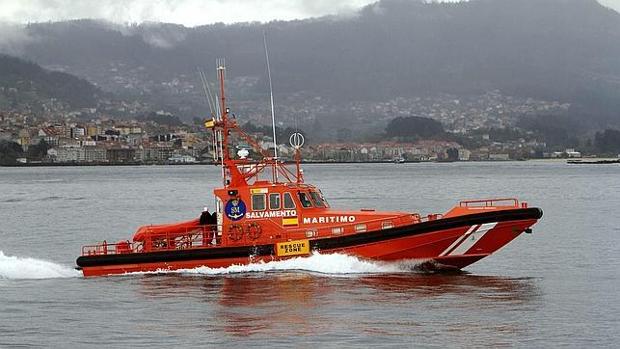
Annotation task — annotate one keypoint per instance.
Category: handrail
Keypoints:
(488, 202)
(427, 218)
(194, 237)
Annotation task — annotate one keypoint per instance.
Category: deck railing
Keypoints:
(195, 237)
(512, 202)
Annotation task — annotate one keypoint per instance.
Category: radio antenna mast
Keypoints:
(273, 113)
(206, 90)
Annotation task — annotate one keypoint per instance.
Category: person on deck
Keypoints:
(205, 217)
(213, 218)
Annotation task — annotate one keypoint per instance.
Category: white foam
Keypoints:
(330, 264)
(30, 268)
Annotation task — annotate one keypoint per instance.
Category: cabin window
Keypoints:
(323, 198)
(258, 202)
(316, 198)
(303, 198)
(289, 204)
(274, 201)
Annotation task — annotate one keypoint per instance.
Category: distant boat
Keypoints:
(594, 162)
(399, 160)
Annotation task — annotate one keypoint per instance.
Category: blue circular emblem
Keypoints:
(235, 209)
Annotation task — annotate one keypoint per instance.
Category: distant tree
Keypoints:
(500, 134)
(453, 154)
(344, 135)
(413, 127)
(557, 130)
(282, 134)
(607, 141)
(32, 80)
(9, 152)
(168, 120)
(38, 151)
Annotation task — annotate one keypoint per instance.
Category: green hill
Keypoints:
(565, 50)
(25, 85)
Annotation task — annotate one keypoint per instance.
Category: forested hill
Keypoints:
(24, 84)
(564, 50)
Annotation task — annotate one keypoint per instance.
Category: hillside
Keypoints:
(25, 85)
(555, 50)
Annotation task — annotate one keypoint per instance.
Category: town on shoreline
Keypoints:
(106, 141)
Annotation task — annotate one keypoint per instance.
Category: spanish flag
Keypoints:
(289, 221)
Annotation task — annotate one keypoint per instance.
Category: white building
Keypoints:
(182, 159)
(77, 132)
(68, 153)
(464, 154)
(571, 153)
(92, 154)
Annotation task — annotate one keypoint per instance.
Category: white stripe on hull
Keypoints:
(459, 240)
(469, 241)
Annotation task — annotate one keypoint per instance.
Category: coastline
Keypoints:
(322, 162)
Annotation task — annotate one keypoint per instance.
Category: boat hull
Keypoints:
(454, 242)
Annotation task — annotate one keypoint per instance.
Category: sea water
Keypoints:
(555, 287)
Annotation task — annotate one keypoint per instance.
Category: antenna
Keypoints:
(273, 113)
(296, 140)
(223, 116)
(221, 72)
(207, 90)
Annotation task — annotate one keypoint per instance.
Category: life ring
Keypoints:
(235, 232)
(416, 217)
(254, 230)
(159, 244)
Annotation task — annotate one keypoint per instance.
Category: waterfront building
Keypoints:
(182, 159)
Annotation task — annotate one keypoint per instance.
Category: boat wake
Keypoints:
(24, 268)
(327, 264)
(331, 264)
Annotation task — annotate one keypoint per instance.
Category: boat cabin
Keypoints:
(268, 211)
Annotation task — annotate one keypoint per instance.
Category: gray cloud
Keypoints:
(614, 4)
(162, 36)
(13, 37)
(156, 34)
(186, 12)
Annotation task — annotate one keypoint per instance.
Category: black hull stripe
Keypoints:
(319, 244)
(426, 227)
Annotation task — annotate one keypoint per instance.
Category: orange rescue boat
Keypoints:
(264, 211)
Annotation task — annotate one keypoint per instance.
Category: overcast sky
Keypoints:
(186, 12)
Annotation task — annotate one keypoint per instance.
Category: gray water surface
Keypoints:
(556, 287)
